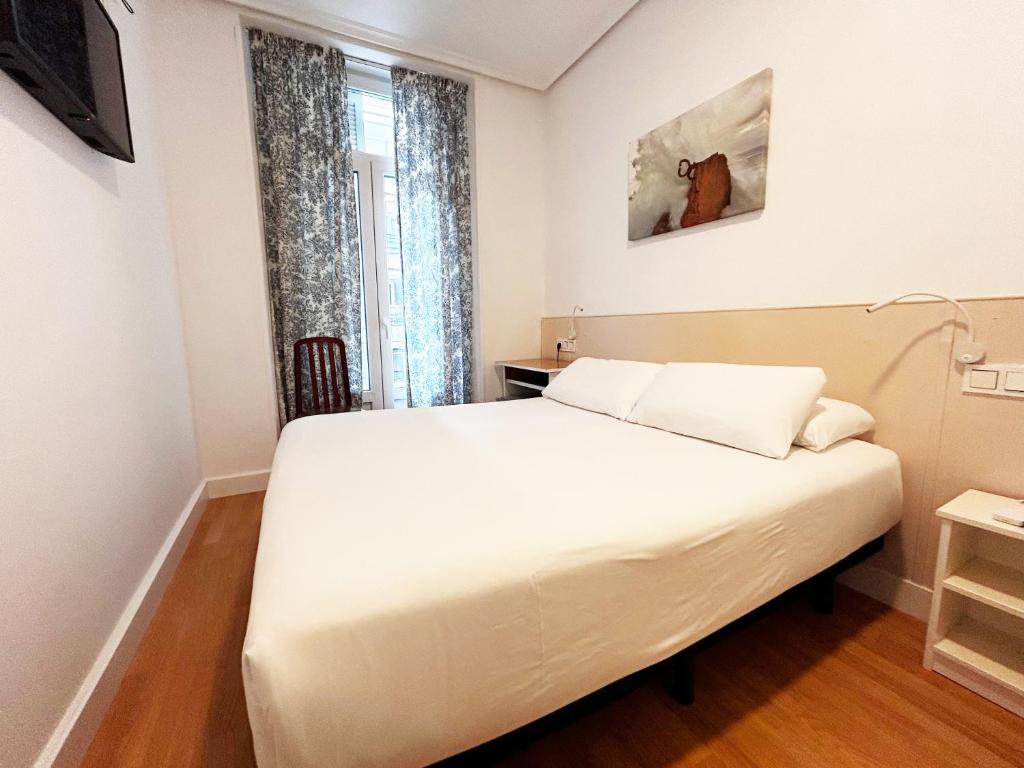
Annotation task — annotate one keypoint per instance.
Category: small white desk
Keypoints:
(526, 378)
(976, 625)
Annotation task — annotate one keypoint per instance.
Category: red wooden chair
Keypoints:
(328, 391)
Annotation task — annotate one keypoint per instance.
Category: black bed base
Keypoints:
(680, 668)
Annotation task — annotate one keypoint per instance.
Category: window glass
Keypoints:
(396, 300)
(371, 122)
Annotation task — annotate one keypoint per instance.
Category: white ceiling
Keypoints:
(529, 42)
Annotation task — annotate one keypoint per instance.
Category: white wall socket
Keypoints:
(568, 345)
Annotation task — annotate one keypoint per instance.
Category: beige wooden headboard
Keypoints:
(897, 363)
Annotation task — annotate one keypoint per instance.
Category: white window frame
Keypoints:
(371, 170)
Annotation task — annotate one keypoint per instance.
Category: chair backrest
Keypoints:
(324, 358)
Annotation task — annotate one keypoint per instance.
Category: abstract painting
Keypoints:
(707, 164)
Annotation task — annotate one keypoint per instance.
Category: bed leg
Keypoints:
(681, 684)
(823, 590)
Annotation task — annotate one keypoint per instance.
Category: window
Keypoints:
(372, 133)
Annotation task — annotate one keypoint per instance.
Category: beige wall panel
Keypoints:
(896, 363)
(982, 442)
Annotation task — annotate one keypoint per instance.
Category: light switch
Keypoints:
(994, 380)
(984, 379)
(1014, 381)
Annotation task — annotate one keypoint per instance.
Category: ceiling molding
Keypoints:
(400, 44)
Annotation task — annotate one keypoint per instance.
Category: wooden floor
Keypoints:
(793, 689)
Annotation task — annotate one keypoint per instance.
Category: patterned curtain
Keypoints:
(309, 206)
(432, 154)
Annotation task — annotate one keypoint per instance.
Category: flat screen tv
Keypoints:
(67, 54)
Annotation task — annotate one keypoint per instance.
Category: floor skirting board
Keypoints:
(235, 485)
(71, 738)
(73, 734)
(900, 593)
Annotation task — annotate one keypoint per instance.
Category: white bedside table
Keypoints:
(976, 625)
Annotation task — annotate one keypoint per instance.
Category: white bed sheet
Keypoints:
(430, 579)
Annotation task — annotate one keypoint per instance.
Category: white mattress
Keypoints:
(430, 579)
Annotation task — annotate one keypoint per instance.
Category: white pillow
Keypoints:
(758, 408)
(831, 421)
(605, 386)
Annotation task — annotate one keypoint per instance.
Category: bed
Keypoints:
(428, 580)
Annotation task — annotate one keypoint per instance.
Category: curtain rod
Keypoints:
(337, 45)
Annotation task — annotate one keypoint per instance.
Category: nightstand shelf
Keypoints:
(976, 626)
(992, 654)
(991, 583)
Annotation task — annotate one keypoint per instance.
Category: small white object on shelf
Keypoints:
(976, 625)
(1012, 514)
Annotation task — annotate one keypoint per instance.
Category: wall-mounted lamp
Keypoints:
(572, 322)
(969, 351)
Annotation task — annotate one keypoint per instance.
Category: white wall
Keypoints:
(510, 222)
(894, 155)
(97, 457)
(214, 194)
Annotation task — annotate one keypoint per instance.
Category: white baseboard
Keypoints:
(888, 588)
(233, 485)
(74, 733)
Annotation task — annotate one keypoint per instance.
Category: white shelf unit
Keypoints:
(976, 626)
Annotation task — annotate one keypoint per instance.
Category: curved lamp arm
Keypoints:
(969, 351)
(572, 322)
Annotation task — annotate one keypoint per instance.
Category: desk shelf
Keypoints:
(527, 378)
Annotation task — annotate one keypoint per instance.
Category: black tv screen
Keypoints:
(67, 54)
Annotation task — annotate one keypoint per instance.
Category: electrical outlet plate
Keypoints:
(568, 345)
(994, 379)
